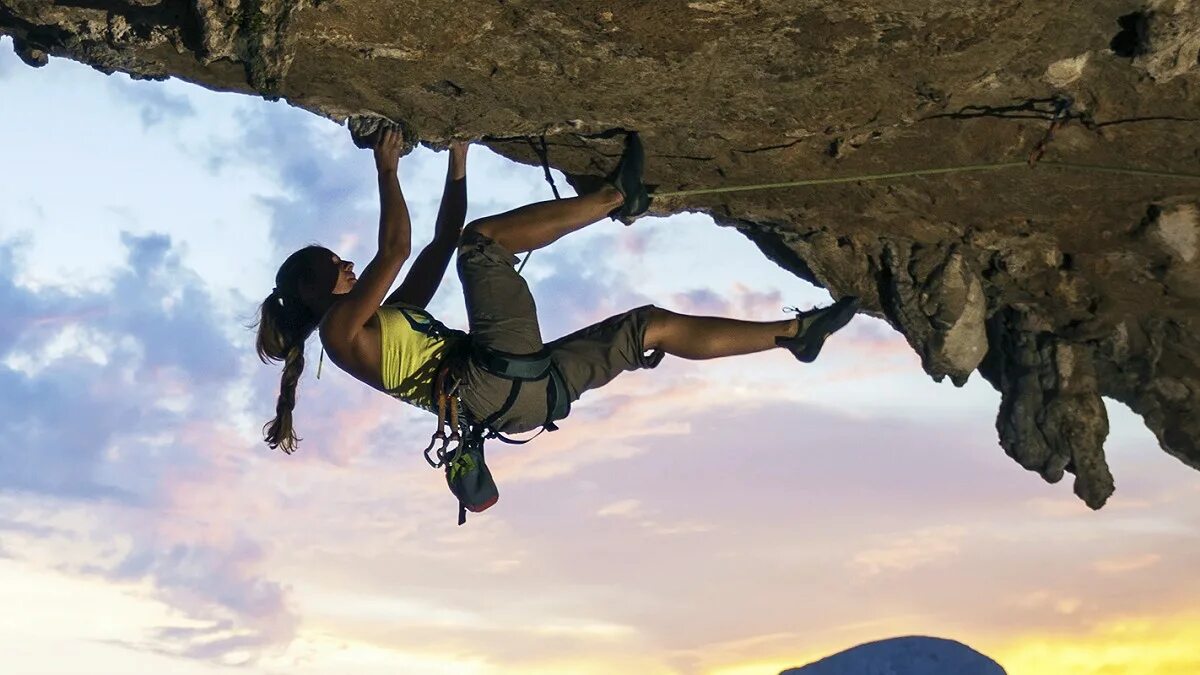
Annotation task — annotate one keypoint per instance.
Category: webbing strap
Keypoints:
(558, 406)
(558, 403)
(526, 367)
(513, 441)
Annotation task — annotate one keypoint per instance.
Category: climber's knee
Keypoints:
(660, 324)
(480, 226)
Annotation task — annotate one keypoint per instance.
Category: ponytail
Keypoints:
(283, 327)
(279, 432)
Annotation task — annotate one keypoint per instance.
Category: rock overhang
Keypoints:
(1059, 287)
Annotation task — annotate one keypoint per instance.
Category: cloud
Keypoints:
(111, 429)
(326, 190)
(737, 302)
(155, 103)
(156, 330)
(728, 485)
(240, 611)
(1053, 600)
(901, 553)
(576, 285)
(624, 508)
(631, 509)
(1126, 563)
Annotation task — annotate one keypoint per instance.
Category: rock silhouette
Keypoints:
(904, 656)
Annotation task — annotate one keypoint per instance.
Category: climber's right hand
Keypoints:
(388, 146)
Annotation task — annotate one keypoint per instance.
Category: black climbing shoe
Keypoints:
(816, 325)
(627, 179)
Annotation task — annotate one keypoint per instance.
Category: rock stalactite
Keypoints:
(1059, 287)
(1051, 416)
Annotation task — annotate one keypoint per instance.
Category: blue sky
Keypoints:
(732, 517)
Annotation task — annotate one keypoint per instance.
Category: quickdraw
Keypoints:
(460, 452)
(1062, 115)
(444, 399)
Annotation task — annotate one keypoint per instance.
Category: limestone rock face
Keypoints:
(1059, 285)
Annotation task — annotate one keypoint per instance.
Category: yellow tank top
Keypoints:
(410, 357)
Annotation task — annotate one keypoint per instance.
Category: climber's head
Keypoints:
(308, 278)
(304, 288)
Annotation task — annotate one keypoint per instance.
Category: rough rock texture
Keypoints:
(1059, 286)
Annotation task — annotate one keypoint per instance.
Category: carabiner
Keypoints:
(439, 435)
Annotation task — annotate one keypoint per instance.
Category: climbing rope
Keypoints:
(1133, 171)
(543, 154)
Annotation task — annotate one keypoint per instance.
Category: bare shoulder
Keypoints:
(357, 352)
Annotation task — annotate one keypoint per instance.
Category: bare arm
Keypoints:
(350, 312)
(429, 268)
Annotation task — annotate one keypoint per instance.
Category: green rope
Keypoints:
(929, 172)
(1123, 170)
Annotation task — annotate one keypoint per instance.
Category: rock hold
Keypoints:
(365, 129)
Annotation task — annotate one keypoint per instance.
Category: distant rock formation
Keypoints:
(904, 656)
(1058, 285)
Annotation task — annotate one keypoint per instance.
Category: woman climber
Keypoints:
(503, 375)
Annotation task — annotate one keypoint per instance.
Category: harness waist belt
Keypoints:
(526, 367)
(519, 368)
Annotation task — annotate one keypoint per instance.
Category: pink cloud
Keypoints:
(1126, 563)
(900, 553)
(738, 301)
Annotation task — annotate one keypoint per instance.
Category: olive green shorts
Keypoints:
(502, 315)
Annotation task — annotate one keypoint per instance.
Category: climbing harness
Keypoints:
(467, 474)
(519, 369)
(460, 451)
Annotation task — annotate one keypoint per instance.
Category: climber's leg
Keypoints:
(710, 337)
(531, 227)
(591, 357)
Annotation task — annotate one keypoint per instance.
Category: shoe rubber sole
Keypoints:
(627, 179)
(831, 321)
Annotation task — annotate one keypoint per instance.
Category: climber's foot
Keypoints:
(815, 325)
(627, 179)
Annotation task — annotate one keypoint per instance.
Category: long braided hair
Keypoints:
(284, 323)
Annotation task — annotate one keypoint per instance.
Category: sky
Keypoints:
(724, 518)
